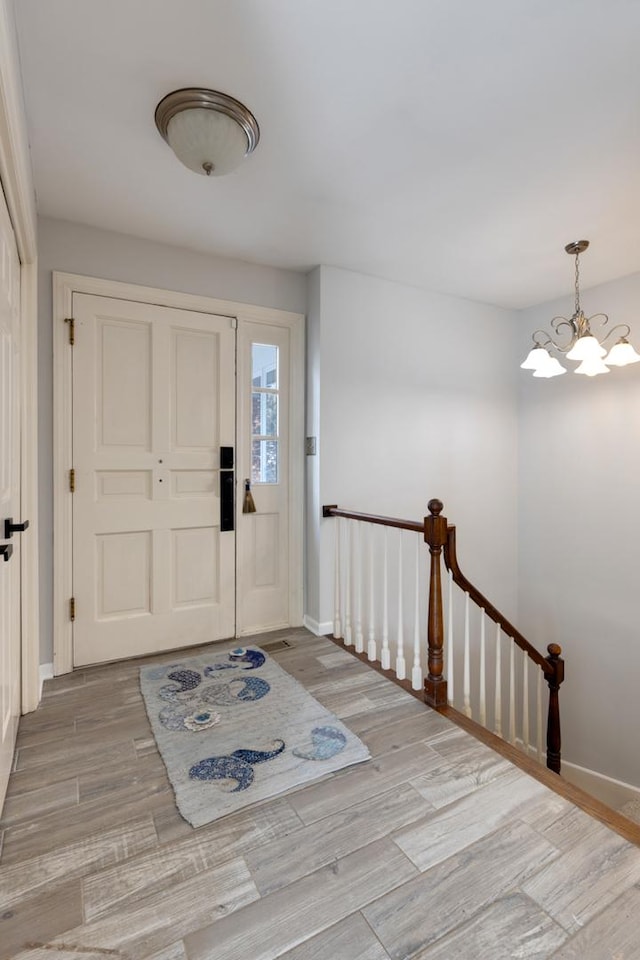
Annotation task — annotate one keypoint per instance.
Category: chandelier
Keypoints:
(574, 338)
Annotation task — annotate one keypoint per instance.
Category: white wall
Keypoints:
(418, 400)
(579, 536)
(73, 248)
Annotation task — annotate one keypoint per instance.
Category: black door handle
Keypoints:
(227, 490)
(5, 551)
(10, 527)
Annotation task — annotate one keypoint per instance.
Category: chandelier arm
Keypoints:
(597, 316)
(546, 342)
(558, 322)
(618, 326)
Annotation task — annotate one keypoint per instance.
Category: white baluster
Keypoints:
(483, 671)
(497, 716)
(385, 657)
(372, 653)
(401, 667)
(525, 702)
(449, 664)
(512, 692)
(337, 614)
(466, 683)
(357, 576)
(539, 715)
(348, 638)
(416, 673)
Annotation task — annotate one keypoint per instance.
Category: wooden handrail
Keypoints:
(451, 563)
(332, 510)
(441, 539)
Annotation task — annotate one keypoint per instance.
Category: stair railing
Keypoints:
(374, 601)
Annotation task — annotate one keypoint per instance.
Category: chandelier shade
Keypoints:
(573, 338)
(209, 132)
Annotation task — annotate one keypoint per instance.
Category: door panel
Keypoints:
(9, 493)
(153, 401)
(264, 458)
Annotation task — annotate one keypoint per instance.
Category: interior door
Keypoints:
(9, 494)
(153, 404)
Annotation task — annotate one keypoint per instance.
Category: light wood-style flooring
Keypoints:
(437, 848)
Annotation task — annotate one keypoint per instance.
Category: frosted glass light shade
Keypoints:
(551, 368)
(621, 354)
(592, 367)
(202, 137)
(209, 131)
(536, 358)
(586, 348)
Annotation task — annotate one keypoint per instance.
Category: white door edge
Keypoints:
(64, 286)
(17, 181)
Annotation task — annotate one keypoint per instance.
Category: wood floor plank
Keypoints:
(281, 862)
(162, 920)
(402, 733)
(145, 875)
(58, 829)
(412, 917)
(173, 952)
(39, 918)
(336, 659)
(567, 826)
(611, 935)
(73, 756)
(75, 860)
(107, 781)
(511, 927)
(600, 872)
(371, 719)
(39, 802)
(460, 824)
(84, 743)
(351, 939)
(45, 733)
(448, 781)
(349, 787)
(281, 921)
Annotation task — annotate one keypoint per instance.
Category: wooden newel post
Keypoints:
(553, 722)
(435, 534)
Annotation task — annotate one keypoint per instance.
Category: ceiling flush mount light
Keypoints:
(576, 341)
(209, 132)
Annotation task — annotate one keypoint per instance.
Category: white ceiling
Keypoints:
(451, 144)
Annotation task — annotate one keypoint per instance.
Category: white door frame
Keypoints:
(64, 286)
(15, 173)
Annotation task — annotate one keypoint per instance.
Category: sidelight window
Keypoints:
(265, 402)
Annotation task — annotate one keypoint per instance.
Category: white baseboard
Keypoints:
(46, 673)
(615, 793)
(319, 629)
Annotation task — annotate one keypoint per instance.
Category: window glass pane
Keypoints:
(264, 414)
(264, 372)
(264, 461)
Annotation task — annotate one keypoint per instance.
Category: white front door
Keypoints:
(9, 494)
(153, 404)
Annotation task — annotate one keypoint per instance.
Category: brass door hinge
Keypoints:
(72, 609)
(72, 480)
(72, 329)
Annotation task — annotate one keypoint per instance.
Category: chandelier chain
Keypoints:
(577, 283)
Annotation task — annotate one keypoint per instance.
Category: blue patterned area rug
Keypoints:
(234, 728)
